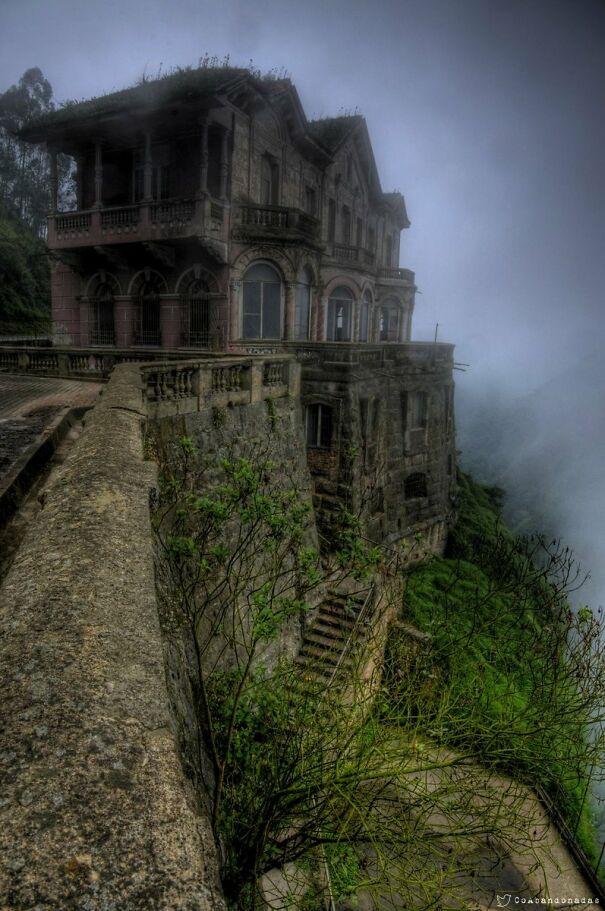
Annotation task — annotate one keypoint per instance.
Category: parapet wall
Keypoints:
(95, 810)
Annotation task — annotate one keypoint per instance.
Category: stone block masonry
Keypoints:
(95, 811)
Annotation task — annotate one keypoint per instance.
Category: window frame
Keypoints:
(261, 314)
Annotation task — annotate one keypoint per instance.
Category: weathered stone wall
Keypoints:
(95, 810)
(374, 447)
(261, 432)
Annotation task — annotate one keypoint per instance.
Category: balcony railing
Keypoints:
(141, 221)
(353, 256)
(402, 275)
(276, 221)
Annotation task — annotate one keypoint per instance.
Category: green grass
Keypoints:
(498, 680)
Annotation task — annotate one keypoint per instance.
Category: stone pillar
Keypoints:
(235, 296)
(290, 309)
(170, 320)
(203, 156)
(53, 182)
(147, 170)
(98, 175)
(224, 165)
(80, 181)
(321, 319)
(355, 320)
(313, 323)
(123, 317)
(84, 321)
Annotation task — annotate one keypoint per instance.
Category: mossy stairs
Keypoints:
(324, 650)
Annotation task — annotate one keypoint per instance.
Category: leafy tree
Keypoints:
(24, 279)
(24, 167)
(398, 791)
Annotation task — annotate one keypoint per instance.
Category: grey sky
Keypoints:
(487, 114)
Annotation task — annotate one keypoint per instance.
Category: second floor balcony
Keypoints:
(281, 223)
(145, 221)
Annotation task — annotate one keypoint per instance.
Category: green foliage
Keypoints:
(512, 675)
(24, 278)
(24, 167)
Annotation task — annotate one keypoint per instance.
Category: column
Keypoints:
(170, 320)
(321, 319)
(290, 308)
(98, 175)
(53, 182)
(147, 170)
(235, 291)
(80, 181)
(123, 317)
(203, 189)
(224, 166)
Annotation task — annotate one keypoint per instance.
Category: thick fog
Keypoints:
(489, 116)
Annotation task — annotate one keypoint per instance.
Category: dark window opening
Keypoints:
(340, 306)
(302, 307)
(346, 225)
(358, 232)
(196, 315)
(269, 182)
(310, 201)
(331, 219)
(418, 410)
(388, 253)
(318, 421)
(102, 324)
(147, 314)
(415, 486)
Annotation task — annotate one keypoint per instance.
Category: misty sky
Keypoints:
(489, 115)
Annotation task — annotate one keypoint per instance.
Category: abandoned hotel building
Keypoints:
(227, 257)
(212, 216)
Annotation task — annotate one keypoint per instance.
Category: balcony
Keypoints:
(160, 220)
(275, 223)
(355, 257)
(413, 355)
(397, 276)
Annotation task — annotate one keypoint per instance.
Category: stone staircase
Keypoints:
(321, 653)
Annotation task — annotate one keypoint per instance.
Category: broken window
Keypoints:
(340, 306)
(415, 486)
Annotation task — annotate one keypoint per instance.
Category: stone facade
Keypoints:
(213, 216)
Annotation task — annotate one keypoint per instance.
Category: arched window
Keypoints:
(415, 486)
(101, 322)
(261, 317)
(340, 308)
(318, 421)
(364, 316)
(389, 318)
(302, 306)
(196, 303)
(388, 251)
(147, 312)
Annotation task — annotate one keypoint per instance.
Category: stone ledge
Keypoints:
(95, 811)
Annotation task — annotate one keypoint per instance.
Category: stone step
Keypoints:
(329, 630)
(328, 642)
(313, 658)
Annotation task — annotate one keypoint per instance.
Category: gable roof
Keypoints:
(333, 131)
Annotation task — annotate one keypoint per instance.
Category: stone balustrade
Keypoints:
(143, 222)
(185, 387)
